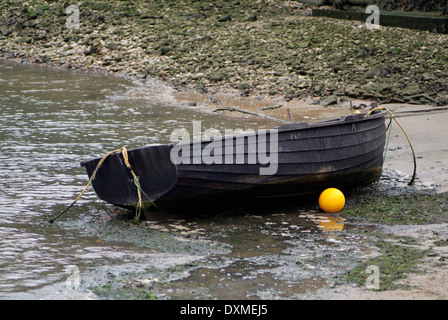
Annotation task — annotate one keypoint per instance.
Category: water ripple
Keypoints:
(50, 120)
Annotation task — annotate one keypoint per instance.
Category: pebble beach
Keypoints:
(257, 49)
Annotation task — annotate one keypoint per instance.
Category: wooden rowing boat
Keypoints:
(343, 153)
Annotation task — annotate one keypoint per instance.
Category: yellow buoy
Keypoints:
(331, 200)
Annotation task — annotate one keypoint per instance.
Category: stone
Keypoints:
(26, 39)
(118, 57)
(251, 18)
(381, 70)
(244, 86)
(32, 14)
(304, 44)
(225, 18)
(92, 50)
(112, 46)
(411, 90)
(330, 100)
(4, 30)
(217, 76)
(197, 76)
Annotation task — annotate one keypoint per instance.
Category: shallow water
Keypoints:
(53, 119)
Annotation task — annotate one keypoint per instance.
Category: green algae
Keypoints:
(413, 208)
(395, 262)
(273, 46)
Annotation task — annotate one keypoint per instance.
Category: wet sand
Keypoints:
(265, 107)
(426, 127)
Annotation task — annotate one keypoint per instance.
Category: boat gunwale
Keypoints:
(334, 122)
(300, 126)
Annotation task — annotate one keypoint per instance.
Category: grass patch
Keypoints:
(393, 264)
(415, 208)
(441, 243)
(127, 292)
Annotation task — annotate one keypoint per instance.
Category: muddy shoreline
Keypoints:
(279, 62)
(253, 49)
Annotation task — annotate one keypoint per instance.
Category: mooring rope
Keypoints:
(124, 152)
(138, 211)
(405, 133)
